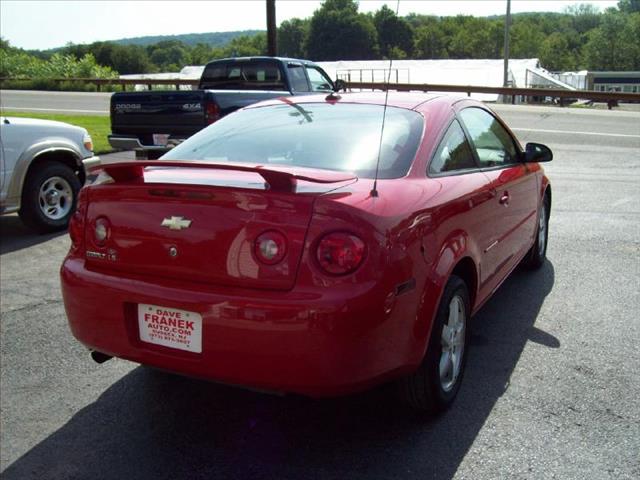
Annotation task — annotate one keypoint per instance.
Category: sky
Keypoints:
(48, 24)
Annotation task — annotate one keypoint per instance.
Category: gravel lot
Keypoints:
(551, 389)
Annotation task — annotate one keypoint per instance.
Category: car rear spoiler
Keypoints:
(281, 179)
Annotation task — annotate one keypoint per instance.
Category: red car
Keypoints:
(292, 246)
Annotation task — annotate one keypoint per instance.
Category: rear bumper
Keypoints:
(317, 343)
(122, 142)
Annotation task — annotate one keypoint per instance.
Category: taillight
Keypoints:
(270, 247)
(76, 228)
(211, 112)
(101, 231)
(76, 223)
(340, 253)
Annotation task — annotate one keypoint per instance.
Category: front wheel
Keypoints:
(433, 387)
(49, 197)
(538, 252)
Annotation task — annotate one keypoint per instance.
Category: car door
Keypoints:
(514, 208)
(466, 202)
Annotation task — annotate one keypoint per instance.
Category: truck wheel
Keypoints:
(49, 197)
(433, 387)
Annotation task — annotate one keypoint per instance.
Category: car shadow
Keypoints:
(14, 235)
(155, 425)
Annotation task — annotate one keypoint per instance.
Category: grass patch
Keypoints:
(97, 126)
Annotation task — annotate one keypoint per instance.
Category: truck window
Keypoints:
(243, 76)
(319, 81)
(298, 78)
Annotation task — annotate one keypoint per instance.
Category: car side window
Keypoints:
(492, 142)
(298, 78)
(454, 152)
(319, 81)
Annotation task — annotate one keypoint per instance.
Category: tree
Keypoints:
(338, 32)
(201, 54)
(555, 54)
(604, 49)
(393, 32)
(526, 39)
(169, 55)
(584, 16)
(629, 37)
(429, 40)
(629, 6)
(246, 46)
(292, 36)
(473, 38)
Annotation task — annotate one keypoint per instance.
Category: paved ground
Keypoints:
(61, 102)
(551, 390)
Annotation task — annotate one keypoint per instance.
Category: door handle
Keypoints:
(504, 199)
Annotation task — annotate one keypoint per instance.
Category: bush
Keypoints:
(15, 63)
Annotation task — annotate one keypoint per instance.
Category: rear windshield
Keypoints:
(343, 137)
(243, 76)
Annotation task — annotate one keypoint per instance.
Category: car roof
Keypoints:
(408, 100)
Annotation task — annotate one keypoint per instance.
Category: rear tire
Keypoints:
(49, 197)
(433, 387)
(537, 255)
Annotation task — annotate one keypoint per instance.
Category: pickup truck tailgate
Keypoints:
(180, 113)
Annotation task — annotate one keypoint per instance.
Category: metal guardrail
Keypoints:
(99, 82)
(506, 91)
(422, 87)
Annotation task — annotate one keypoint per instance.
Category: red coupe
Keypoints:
(304, 245)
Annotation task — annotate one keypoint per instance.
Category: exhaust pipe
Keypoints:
(100, 357)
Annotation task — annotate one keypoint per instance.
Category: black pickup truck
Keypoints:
(152, 122)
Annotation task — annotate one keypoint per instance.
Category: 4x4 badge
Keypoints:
(176, 223)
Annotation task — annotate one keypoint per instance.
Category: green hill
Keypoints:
(214, 39)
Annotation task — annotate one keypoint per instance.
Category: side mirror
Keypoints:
(537, 152)
(339, 84)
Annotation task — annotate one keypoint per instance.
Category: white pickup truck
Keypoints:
(41, 170)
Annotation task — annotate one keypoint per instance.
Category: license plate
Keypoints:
(170, 327)
(160, 139)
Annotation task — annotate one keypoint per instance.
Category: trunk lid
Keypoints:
(200, 224)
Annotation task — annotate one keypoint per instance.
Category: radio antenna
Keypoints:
(374, 190)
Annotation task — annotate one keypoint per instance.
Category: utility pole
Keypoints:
(507, 22)
(271, 28)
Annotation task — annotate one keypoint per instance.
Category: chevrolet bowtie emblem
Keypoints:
(176, 223)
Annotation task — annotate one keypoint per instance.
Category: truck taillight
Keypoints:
(340, 253)
(211, 112)
(76, 223)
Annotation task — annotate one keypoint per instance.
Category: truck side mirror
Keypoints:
(339, 84)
